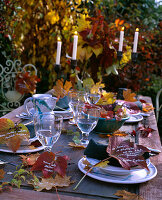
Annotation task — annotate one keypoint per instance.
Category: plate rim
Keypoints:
(135, 116)
(124, 181)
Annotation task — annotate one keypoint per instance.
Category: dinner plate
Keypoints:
(22, 149)
(132, 178)
(117, 170)
(134, 118)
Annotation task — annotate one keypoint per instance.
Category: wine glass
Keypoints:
(48, 128)
(93, 98)
(76, 98)
(86, 119)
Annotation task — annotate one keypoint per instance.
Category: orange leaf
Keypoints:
(29, 159)
(2, 173)
(128, 195)
(14, 143)
(128, 96)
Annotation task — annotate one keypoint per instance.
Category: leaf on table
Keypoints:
(129, 96)
(147, 107)
(4, 187)
(2, 173)
(127, 195)
(72, 144)
(145, 131)
(12, 134)
(29, 160)
(49, 163)
(49, 183)
(26, 83)
(127, 153)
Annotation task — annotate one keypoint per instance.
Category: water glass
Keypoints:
(93, 98)
(86, 119)
(48, 128)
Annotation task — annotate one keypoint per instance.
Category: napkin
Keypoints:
(98, 151)
(62, 103)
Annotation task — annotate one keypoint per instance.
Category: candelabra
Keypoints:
(73, 63)
(57, 68)
(134, 56)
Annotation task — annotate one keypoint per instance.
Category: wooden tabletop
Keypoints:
(89, 188)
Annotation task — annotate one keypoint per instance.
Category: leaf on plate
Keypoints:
(147, 107)
(2, 173)
(127, 153)
(12, 134)
(72, 144)
(87, 164)
(48, 163)
(128, 96)
(49, 183)
(127, 195)
(102, 164)
(29, 160)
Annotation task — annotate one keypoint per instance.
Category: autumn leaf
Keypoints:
(49, 163)
(49, 183)
(2, 173)
(26, 83)
(147, 107)
(12, 134)
(145, 131)
(74, 145)
(103, 164)
(128, 96)
(127, 153)
(29, 160)
(127, 195)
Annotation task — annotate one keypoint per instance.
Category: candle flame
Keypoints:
(58, 38)
(75, 33)
(137, 29)
(122, 29)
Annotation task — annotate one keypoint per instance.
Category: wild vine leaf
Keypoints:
(49, 183)
(26, 83)
(12, 134)
(127, 195)
(128, 96)
(127, 153)
(49, 163)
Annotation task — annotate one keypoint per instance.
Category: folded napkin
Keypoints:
(98, 151)
(62, 103)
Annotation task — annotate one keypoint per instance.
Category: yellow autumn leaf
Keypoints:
(128, 96)
(88, 83)
(96, 88)
(98, 50)
(103, 164)
(52, 17)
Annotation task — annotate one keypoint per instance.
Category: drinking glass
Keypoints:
(93, 98)
(48, 128)
(86, 119)
(76, 98)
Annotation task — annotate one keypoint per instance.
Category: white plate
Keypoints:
(117, 170)
(132, 178)
(22, 149)
(67, 114)
(134, 118)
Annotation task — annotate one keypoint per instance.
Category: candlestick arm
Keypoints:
(73, 63)
(119, 55)
(134, 56)
(57, 68)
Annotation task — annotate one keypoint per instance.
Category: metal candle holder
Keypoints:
(134, 56)
(57, 68)
(73, 64)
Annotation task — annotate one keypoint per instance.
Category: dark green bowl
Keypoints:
(105, 126)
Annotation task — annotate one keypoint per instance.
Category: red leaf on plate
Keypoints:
(127, 153)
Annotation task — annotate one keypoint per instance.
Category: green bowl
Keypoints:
(105, 126)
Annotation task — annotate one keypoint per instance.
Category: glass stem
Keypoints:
(84, 140)
(48, 149)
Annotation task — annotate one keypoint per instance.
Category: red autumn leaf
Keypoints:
(48, 163)
(26, 83)
(127, 153)
(145, 131)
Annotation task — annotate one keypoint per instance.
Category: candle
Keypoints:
(58, 51)
(75, 42)
(135, 40)
(121, 39)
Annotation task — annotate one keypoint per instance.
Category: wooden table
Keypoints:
(90, 188)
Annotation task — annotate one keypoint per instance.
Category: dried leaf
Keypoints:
(49, 183)
(72, 144)
(147, 107)
(145, 131)
(127, 195)
(2, 173)
(103, 164)
(128, 96)
(61, 89)
(127, 153)
(29, 159)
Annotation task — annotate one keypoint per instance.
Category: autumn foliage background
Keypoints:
(29, 32)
